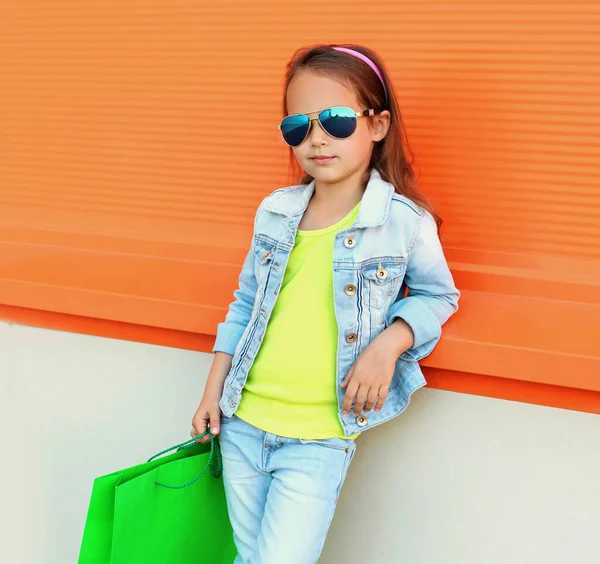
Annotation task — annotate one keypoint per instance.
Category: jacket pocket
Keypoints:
(383, 279)
(264, 251)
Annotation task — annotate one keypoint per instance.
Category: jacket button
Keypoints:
(349, 242)
(350, 289)
(351, 338)
(361, 421)
(382, 273)
(231, 403)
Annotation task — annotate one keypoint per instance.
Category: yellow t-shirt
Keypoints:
(291, 389)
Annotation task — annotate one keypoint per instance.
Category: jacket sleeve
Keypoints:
(432, 296)
(231, 330)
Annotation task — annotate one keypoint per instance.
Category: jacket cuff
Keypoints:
(424, 324)
(228, 337)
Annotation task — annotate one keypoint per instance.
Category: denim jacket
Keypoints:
(393, 245)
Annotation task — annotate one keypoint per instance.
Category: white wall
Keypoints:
(458, 479)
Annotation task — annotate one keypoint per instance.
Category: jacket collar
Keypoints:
(374, 207)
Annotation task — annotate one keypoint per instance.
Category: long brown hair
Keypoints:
(392, 156)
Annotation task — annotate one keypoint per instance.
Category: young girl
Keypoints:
(344, 290)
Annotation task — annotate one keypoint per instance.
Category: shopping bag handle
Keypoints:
(215, 462)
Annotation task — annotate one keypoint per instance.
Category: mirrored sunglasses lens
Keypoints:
(338, 122)
(294, 129)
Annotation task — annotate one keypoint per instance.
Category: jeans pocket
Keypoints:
(225, 420)
(335, 444)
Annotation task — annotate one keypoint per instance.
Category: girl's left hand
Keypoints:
(369, 379)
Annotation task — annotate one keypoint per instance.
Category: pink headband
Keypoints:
(369, 62)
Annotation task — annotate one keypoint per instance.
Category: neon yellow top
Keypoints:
(291, 387)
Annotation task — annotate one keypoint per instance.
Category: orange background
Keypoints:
(139, 137)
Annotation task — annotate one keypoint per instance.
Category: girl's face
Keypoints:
(309, 93)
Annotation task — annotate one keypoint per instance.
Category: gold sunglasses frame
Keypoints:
(364, 113)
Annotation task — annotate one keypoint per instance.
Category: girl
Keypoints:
(344, 290)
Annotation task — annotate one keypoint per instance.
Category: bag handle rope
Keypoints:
(215, 461)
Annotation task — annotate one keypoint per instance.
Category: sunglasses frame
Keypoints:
(365, 113)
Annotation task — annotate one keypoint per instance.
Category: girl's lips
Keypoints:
(322, 160)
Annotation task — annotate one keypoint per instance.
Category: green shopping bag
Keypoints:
(169, 511)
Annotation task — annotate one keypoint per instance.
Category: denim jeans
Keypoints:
(281, 492)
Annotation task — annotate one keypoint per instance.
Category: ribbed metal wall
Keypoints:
(138, 137)
(131, 113)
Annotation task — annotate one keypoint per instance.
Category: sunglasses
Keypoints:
(338, 122)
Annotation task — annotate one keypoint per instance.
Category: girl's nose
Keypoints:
(318, 137)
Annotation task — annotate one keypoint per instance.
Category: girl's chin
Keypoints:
(324, 173)
(326, 178)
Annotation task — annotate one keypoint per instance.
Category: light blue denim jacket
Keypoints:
(393, 244)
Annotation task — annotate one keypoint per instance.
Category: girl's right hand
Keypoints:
(208, 412)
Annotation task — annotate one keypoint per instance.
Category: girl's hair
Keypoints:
(391, 156)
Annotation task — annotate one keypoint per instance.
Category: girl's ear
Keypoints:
(380, 124)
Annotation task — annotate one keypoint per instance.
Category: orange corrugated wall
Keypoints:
(137, 139)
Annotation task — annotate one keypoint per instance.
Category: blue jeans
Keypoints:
(281, 493)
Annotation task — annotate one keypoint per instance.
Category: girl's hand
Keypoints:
(208, 412)
(368, 381)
